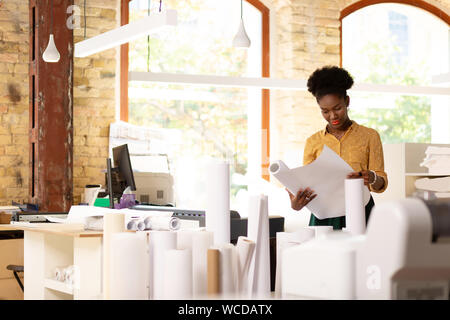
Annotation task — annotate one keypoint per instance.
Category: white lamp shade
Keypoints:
(241, 38)
(51, 54)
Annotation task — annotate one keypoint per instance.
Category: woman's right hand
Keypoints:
(302, 198)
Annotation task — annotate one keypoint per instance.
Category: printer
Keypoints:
(404, 254)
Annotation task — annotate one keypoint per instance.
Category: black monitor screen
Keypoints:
(122, 164)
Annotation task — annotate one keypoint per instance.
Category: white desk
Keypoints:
(47, 246)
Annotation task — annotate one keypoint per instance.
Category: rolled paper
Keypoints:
(286, 240)
(141, 225)
(355, 218)
(245, 248)
(132, 224)
(258, 231)
(228, 269)
(217, 216)
(159, 242)
(201, 242)
(164, 223)
(184, 239)
(59, 274)
(213, 273)
(148, 223)
(178, 275)
(128, 266)
(112, 223)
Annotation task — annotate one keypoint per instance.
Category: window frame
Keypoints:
(265, 72)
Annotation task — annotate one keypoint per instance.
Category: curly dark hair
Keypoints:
(329, 80)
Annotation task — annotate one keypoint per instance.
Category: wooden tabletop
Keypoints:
(64, 229)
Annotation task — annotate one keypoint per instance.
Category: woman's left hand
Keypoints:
(367, 175)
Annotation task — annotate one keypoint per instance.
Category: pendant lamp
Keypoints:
(241, 38)
(51, 54)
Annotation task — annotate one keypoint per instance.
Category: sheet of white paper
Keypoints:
(326, 176)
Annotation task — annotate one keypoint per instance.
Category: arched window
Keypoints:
(230, 123)
(403, 43)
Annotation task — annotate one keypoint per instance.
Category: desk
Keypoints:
(48, 246)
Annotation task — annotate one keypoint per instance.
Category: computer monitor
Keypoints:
(119, 177)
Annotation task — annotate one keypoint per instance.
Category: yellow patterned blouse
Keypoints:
(360, 147)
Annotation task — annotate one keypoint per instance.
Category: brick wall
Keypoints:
(13, 101)
(94, 97)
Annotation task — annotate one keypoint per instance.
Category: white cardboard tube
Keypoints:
(217, 216)
(160, 242)
(178, 275)
(128, 266)
(228, 267)
(112, 223)
(164, 223)
(245, 248)
(258, 231)
(201, 242)
(355, 218)
(320, 231)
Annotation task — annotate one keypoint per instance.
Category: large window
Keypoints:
(398, 44)
(201, 121)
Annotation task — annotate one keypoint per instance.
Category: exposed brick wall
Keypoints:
(13, 101)
(94, 97)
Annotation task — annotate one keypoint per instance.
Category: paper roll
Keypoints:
(59, 274)
(141, 225)
(228, 269)
(148, 223)
(159, 242)
(213, 272)
(132, 224)
(245, 248)
(320, 231)
(112, 223)
(217, 216)
(163, 223)
(286, 240)
(258, 231)
(355, 218)
(178, 275)
(184, 239)
(128, 270)
(201, 242)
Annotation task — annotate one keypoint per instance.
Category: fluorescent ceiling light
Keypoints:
(126, 33)
(277, 84)
(218, 81)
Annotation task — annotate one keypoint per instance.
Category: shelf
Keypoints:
(58, 286)
(417, 174)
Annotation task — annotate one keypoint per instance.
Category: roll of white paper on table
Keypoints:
(201, 242)
(228, 267)
(178, 274)
(132, 224)
(245, 248)
(164, 223)
(217, 216)
(141, 225)
(258, 231)
(355, 218)
(128, 266)
(148, 223)
(112, 223)
(184, 239)
(159, 242)
(286, 240)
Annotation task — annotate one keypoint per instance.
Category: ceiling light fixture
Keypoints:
(126, 33)
(241, 38)
(51, 54)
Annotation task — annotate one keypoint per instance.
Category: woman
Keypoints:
(358, 145)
